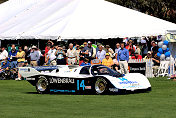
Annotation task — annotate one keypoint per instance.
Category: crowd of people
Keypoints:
(82, 55)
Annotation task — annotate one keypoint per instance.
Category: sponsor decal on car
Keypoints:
(62, 91)
(62, 81)
(125, 81)
(88, 87)
(113, 89)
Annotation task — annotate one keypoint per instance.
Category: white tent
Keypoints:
(75, 19)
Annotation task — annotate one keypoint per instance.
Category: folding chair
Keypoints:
(163, 69)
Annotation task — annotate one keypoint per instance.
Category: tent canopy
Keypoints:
(75, 19)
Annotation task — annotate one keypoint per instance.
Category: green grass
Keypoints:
(19, 100)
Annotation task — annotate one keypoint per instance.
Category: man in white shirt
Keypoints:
(52, 57)
(71, 55)
(3, 54)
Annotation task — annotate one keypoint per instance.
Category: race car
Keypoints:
(95, 79)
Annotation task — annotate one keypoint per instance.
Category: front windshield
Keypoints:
(103, 70)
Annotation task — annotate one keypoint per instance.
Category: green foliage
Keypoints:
(164, 9)
(19, 100)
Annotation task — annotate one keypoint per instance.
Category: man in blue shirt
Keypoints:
(123, 57)
(12, 57)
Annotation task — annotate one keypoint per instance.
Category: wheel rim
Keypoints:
(42, 84)
(100, 86)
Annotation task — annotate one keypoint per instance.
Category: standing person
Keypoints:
(123, 57)
(101, 53)
(60, 56)
(51, 58)
(71, 55)
(117, 49)
(130, 48)
(81, 55)
(34, 56)
(144, 48)
(107, 61)
(88, 51)
(154, 48)
(109, 50)
(12, 57)
(78, 50)
(20, 59)
(3, 54)
(27, 53)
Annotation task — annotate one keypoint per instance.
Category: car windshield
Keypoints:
(103, 70)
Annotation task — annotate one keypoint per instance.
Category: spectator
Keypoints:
(149, 55)
(136, 56)
(117, 48)
(77, 53)
(156, 61)
(86, 62)
(138, 49)
(130, 48)
(154, 48)
(3, 54)
(88, 51)
(123, 57)
(12, 57)
(20, 59)
(51, 59)
(101, 53)
(85, 44)
(34, 56)
(40, 60)
(46, 53)
(81, 55)
(115, 66)
(109, 50)
(27, 53)
(71, 55)
(125, 40)
(144, 49)
(97, 48)
(107, 61)
(60, 56)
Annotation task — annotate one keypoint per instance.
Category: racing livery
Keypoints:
(96, 79)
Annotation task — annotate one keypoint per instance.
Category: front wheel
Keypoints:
(42, 85)
(101, 86)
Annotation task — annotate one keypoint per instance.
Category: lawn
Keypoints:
(18, 99)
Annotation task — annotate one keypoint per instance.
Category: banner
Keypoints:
(137, 67)
(171, 36)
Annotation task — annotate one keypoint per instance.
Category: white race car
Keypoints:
(96, 79)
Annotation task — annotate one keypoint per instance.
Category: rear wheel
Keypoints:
(100, 86)
(42, 85)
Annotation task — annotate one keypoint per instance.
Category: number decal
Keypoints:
(81, 85)
(123, 79)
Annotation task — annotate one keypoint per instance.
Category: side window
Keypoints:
(85, 70)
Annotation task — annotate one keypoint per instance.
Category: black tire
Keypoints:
(101, 86)
(42, 85)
